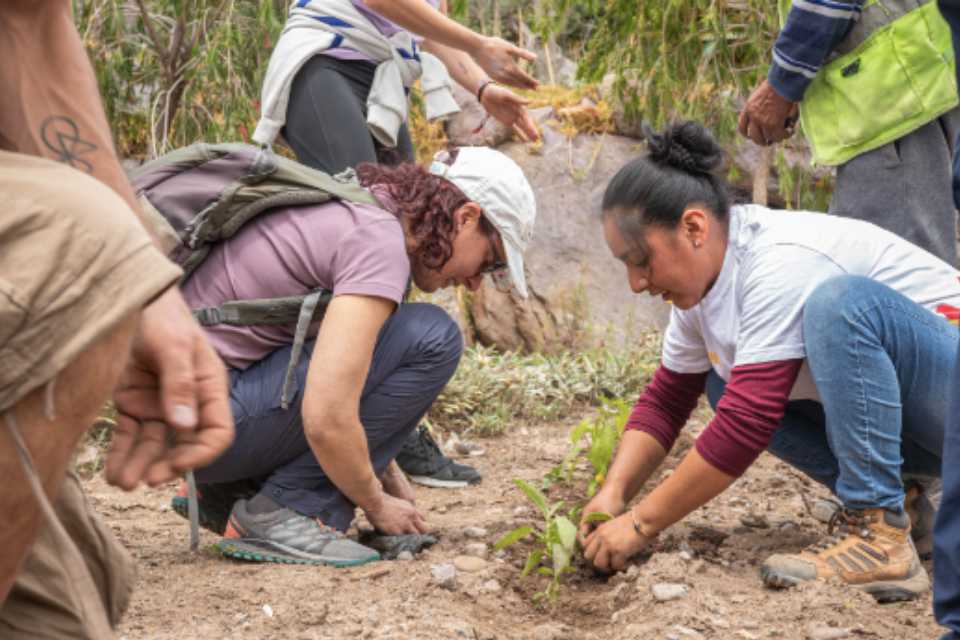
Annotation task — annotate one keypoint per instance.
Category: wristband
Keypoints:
(637, 525)
(481, 88)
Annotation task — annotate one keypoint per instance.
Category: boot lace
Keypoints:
(844, 522)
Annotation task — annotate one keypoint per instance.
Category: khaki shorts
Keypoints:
(46, 601)
(74, 261)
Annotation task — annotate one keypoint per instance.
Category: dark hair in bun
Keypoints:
(677, 170)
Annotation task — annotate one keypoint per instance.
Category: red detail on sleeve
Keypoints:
(951, 313)
(666, 404)
(749, 412)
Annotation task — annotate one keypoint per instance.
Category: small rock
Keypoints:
(746, 635)
(476, 533)
(665, 591)
(268, 611)
(469, 564)
(444, 576)
(678, 632)
(551, 632)
(632, 572)
(468, 448)
(404, 556)
(821, 632)
(755, 521)
(477, 550)
(822, 509)
(490, 586)
(686, 556)
(521, 511)
(500, 555)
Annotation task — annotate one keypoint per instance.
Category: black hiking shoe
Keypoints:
(422, 460)
(214, 501)
(285, 536)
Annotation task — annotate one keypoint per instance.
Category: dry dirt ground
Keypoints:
(714, 553)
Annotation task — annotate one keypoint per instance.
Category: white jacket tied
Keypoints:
(317, 25)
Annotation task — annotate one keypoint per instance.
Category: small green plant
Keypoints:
(556, 540)
(597, 438)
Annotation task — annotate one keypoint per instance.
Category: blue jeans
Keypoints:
(881, 364)
(946, 541)
(417, 351)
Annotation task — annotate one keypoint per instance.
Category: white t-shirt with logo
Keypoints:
(774, 261)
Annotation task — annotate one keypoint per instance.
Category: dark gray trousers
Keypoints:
(327, 117)
(906, 187)
(417, 351)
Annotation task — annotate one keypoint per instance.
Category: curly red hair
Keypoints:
(426, 201)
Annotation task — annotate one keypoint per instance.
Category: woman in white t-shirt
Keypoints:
(826, 341)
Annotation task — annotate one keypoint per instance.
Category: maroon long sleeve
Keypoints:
(666, 404)
(749, 412)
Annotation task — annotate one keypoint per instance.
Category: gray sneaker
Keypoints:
(285, 536)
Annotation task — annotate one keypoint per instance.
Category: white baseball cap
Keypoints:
(497, 184)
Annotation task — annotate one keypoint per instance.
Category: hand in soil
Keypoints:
(603, 502)
(613, 543)
(395, 516)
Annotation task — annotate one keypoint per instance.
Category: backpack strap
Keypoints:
(271, 311)
(303, 324)
(264, 311)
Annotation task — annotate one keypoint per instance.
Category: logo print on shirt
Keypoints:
(713, 357)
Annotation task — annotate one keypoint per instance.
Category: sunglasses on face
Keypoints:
(494, 267)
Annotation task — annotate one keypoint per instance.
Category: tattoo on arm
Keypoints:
(62, 136)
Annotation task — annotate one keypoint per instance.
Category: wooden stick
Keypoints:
(762, 175)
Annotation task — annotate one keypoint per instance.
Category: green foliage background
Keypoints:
(673, 58)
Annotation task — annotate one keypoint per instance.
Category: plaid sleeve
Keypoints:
(813, 28)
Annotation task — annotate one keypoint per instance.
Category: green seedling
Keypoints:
(602, 433)
(556, 541)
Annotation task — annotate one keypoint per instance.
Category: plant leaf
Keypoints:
(561, 557)
(598, 516)
(513, 537)
(533, 561)
(567, 533)
(535, 495)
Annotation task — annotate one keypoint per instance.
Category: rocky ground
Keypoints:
(701, 583)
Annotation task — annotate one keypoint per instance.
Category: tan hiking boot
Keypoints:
(869, 549)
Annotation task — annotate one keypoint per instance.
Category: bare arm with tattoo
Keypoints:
(51, 107)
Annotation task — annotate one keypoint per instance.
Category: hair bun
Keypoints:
(686, 146)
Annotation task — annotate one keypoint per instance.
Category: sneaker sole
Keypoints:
(252, 550)
(180, 506)
(882, 591)
(428, 481)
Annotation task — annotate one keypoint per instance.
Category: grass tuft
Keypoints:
(490, 390)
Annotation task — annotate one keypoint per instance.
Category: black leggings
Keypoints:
(326, 117)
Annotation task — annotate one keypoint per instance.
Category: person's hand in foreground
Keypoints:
(510, 109)
(612, 543)
(395, 516)
(499, 59)
(768, 117)
(173, 412)
(605, 501)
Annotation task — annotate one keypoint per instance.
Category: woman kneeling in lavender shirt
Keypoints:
(293, 477)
